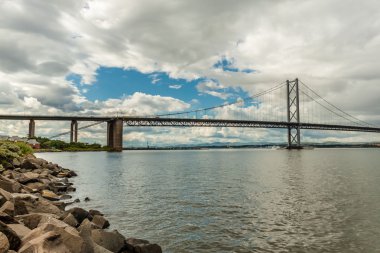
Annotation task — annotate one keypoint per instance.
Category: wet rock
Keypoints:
(49, 195)
(79, 213)
(100, 221)
(4, 243)
(19, 229)
(13, 239)
(93, 212)
(143, 246)
(111, 240)
(86, 199)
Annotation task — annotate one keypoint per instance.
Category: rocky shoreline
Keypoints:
(35, 213)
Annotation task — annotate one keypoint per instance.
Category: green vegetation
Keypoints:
(47, 144)
(10, 151)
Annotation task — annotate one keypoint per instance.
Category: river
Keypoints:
(236, 200)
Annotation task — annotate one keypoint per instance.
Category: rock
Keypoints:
(35, 205)
(8, 208)
(28, 177)
(5, 194)
(100, 221)
(93, 212)
(6, 218)
(4, 243)
(13, 239)
(79, 213)
(70, 220)
(16, 162)
(49, 195)
(113, 241)
(86, 199)
(51, 238)
(36, 186)
(32, 220)
(58, 187)
(9, 185)
(30, 164)
(19, 229)
(2, 200)
(87, 223)
(143, 246)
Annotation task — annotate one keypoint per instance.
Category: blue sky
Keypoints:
(113, 82)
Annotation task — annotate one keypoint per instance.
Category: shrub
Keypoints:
(24, 148)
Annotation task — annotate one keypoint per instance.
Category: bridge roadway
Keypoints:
(185, 122)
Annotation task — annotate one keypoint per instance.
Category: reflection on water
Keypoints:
(236, 200)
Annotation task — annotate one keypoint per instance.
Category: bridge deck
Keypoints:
(185, 122)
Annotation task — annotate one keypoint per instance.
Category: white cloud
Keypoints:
(175, 86)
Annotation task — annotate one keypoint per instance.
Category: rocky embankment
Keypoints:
(35, 213)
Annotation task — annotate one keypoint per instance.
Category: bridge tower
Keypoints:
(115, 134)
(32, 129)
(74, 131)
(293, 106)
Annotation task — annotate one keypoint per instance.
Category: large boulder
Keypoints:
(70, 220)
(143, 246)
(8, 208)
(28, 177)
(79, 213)
(28, 203)
(111, 240)
(13, 239)
(49, 195)
(4, 243)
(7, 218)
(51, 238)
(9, 185)
(100, 221)
(30, 164)
(19, 229)
(33, 220)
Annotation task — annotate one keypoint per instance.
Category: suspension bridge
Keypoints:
(291, 105)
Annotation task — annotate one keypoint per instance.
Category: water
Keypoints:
(325, 200)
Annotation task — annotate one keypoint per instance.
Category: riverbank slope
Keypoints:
(35, 213)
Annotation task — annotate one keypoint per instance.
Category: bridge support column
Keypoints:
(74, 131)
(32, 129)
(115, 135)
(293, 105)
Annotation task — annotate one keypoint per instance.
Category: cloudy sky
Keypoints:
(151, 57)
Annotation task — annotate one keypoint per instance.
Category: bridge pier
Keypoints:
(32, 129)
(293, 111)
(115, 135)
(74, 131)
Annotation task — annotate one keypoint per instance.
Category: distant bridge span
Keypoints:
(293, 123)
(115, 124)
